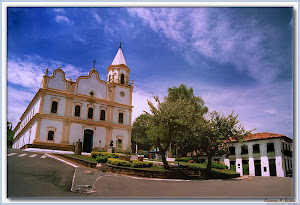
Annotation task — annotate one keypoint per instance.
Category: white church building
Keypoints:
(97, 112)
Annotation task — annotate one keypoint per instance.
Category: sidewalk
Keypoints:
(50, 151)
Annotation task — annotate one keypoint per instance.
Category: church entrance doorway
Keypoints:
(88, 140)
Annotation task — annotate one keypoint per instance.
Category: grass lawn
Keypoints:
(90, 159)
(157, 168)
(203, 166)
(87, 158)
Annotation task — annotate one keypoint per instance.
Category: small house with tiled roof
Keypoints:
(260, 154)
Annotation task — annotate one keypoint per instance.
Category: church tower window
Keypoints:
(121, 115)
(122, 79)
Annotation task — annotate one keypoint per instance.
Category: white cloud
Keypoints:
(140, 103)
(215, 34)
(62, 19)
(17, 102)
(97, 18)
(59, 10)
(24, 79)
(76, 37)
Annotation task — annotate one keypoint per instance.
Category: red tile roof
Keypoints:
(260, 136)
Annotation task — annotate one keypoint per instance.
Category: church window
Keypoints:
(119, 144)
(121, 117)
(54, 107)
(90, 113)
(92, 93)
(122, 94)
(77, 110)
(102, 115)
(50, 135)
(109, 77)
(122, 79)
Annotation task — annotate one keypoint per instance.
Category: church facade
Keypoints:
(97, 112)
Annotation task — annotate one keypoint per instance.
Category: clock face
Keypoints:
(122, 93)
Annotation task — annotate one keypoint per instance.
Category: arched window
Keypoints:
(102, 115)
(50, 135)
(109, 77)
(77, 110)
(90, 113)
(122, 79)
(121, 117)
(54, 107)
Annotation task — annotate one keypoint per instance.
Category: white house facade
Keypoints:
(89, 109)
(260, 154)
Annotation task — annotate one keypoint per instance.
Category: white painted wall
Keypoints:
(86, 85)
(279, 166)
(239, 166)
(100, 134)
(57, 82)
(251, 167)
(51, 123)
(123, 133)
(61, 104)
(119, 98)
(116, 116)
(75, 133)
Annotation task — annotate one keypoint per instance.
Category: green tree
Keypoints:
(138, 133)
(215, 131)
(10, 134)
(183, 141)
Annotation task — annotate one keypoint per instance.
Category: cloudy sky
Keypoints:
(234, 58)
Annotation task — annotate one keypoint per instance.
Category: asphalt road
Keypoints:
(254, 187)
(29, 175)
(46, 177)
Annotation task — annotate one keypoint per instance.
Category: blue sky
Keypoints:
(234, 58)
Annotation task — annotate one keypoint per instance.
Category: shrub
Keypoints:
(118, 162)
(138, 164)
(184, 159)
(109, 155)
(217, 165)
(101, 159)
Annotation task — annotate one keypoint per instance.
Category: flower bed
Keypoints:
(109, 155)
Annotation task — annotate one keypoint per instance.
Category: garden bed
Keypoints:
(185, 171)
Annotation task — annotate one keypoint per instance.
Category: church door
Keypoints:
(88, 141)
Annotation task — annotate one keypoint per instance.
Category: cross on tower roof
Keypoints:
(94, 64)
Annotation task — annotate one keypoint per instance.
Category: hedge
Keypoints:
(138, 164)
(217, 165)
(101, 159)
(109, 155)
(118, 162)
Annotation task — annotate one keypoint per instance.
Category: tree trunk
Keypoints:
(209, 161)
(163, 158)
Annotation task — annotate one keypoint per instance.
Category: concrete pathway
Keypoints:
(84, 179)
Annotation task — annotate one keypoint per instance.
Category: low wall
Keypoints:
(144, 173)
